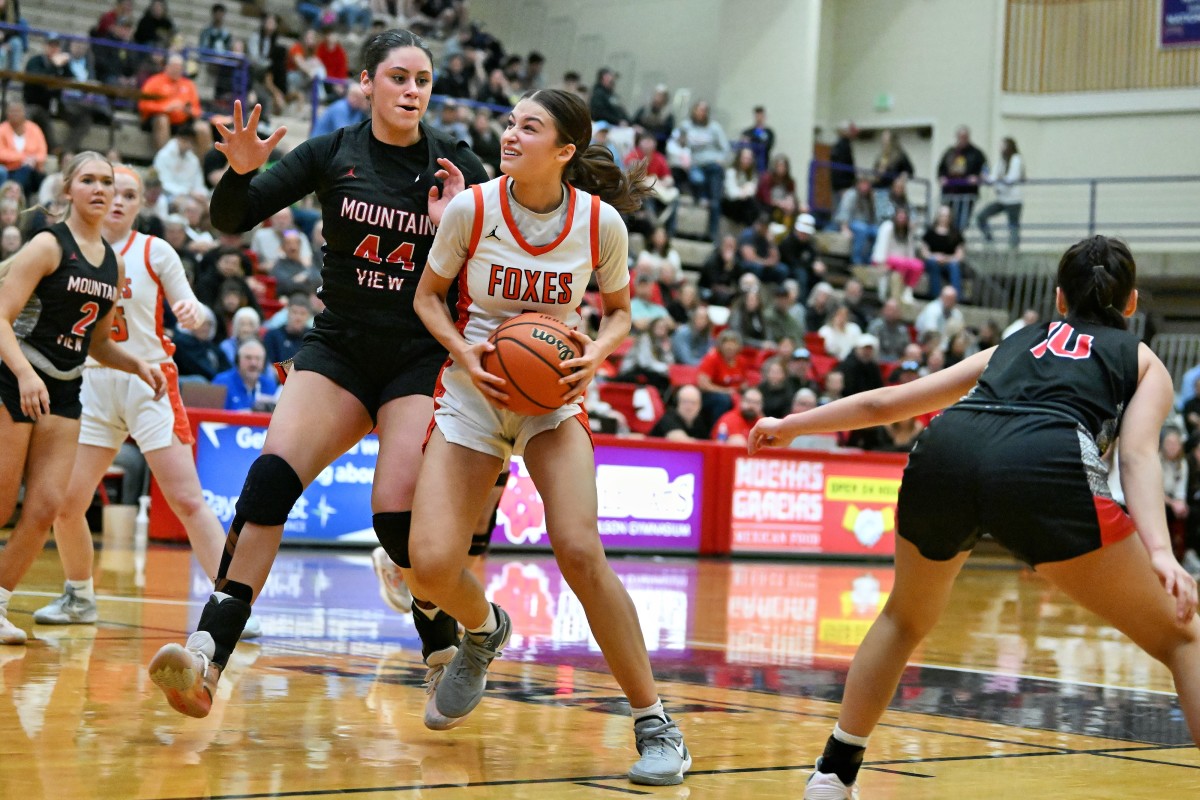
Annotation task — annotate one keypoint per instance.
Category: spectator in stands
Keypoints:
(896, 249)
(660, 207)
(213, 276)
(860, 367)
(942, 250)
(291, 270)
(268, 62)
(451, 122)
(196, 352)
(655, 118)
(246, 322)
(942, 316)
(333, 57)
(960, 172)
(650, 359)
(890, 331)
(155, 28)
(485, 141)
(44, 102)
(177, 107)
(760, 139)
(644, 308)
(572, 81)
(747, 317)
(685, 300)
(496, 91)
(892, 163)
(798, 253)
(720, 272)
(514, 73)
(23, 148)
(776, 388)
(686, 421)
(835, 383)
(353, 15)
(283, 342)
(841, 155)
(114, 63)
(734, 425)
(806, 400)
(1029, 316)
(457, 78)
(10, 241)
(781, 323)
(349, 110)
(962, 344)
(1190, 410)
(304, 68)
(179, 168)
(122, 9)
(708, 151)
(660, 261)
(840, 334)
(1175, 483)
(604, 105)
(251, 387)
(1006, 180)
(819, 305)
(216, 36)
(723, 373)
(854, 298)
(800, 370)
(896, 199)
(758, 253)
(691, 342)
(777, 193)
(858, 217)
(740, 201)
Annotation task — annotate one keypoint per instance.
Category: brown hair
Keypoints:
(592, 167)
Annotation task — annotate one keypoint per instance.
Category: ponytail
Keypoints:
(1097, 278)
(594, 170)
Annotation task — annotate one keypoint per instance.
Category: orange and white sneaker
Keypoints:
(392, 587)
(186, 675)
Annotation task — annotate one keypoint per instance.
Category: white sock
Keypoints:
(4, 595)
(429, 613)
(849, 738)
(489, 625)
(655, 710)
(85, 589)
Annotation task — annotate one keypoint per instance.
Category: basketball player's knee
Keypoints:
(580, 563)
(40, 515)
(188, 505)
(272, 487)
(436, 570)
(393, 529)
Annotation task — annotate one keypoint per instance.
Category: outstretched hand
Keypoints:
(767, 432)
(241, 145)
(453, 182)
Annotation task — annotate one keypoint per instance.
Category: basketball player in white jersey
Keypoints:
(530, 241)
(115, 408)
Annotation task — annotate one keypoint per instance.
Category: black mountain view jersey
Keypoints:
(1069, 367)
(373, 204)
(61, 314)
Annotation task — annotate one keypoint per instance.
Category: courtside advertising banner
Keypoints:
(1180, 25)
(650, 500)
(811, 504)
(336, 507)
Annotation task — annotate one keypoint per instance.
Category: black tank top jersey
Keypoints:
(65, 306)
(1071, 367)
(374, 206)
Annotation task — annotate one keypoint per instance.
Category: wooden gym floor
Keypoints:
(1017, 694)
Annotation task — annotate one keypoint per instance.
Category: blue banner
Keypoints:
(1180, 23)
(335, 508)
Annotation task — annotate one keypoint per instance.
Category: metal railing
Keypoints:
(1162, 209)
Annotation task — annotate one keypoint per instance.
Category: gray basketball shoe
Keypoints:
(461, 687)
(68, 609)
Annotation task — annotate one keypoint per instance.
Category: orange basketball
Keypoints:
(529, 350)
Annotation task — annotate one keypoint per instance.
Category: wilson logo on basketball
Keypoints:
(564, 349)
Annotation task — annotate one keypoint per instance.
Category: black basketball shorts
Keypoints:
(372, 366)
(64, 395)
(1033, 481)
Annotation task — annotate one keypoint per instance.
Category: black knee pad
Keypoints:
(392, 528)
(272, 487)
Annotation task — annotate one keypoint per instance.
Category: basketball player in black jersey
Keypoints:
(367, 363)
(1020, 457)
(56, 306)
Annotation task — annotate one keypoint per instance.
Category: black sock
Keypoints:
(437, 633)
(224, 619)
(841, 759)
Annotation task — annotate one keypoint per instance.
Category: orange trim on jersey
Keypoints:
(129, 243)
(1114, 523)
(595, 231)
(477, 225)
(464, 301)
(582, 419)
(512, 223)
(159, 330)
(439, 390)
(183, 427)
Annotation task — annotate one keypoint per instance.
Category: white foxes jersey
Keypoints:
(152, 270)
(501, 274)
